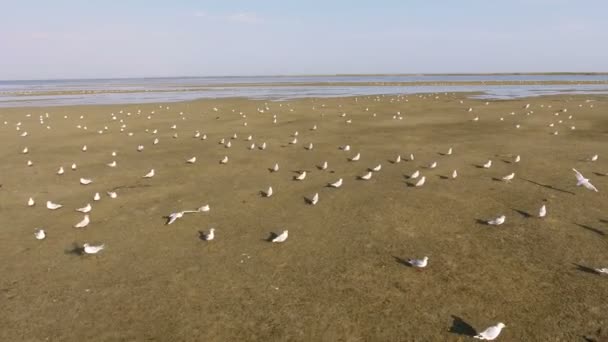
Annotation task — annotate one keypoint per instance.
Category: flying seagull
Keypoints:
(581, 180)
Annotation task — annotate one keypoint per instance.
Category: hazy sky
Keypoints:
(132, 38)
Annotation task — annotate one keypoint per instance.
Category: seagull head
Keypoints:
(501, 325)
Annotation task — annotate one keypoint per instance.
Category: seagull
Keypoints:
(366, 176)
(25, 150)
(419, 263)
(205, 208)
(74, 166)
(268, 192)
(263, 146)
(92, 249)
(355, 158)
(112, 194)
(490, 333)
(314, 200)
(377, 168)
(517, 158)
(155, 142)
(191, 160)
(488, 164)
(84, 148)
(209, 236)
(150, 174)
(454, 174)
(60, 171)
(87, 208)
(594, 158)
(601, 270)
(581, 180)
(323, 166)
(294, 141)
(97, 197)
(112, 164)
(301, 176)
(275, 168)
(224, 160)
(449, 152)
(345, 148)
(508, 177)
(39, 234)
(336, 184)
(309, 147)
(30, 202)
(282, 237)
(497, 221)
(398, 159)
(543, 211)
(415, 174)
(85, 181)
(433, 165)
(85, 222)
(53, 206)
(140, 148)
(174, 216)
(411, 156)
(421, 181)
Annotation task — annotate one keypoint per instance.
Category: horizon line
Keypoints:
(590, 73)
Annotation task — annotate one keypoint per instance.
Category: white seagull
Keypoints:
(112, 164)
(87, 208)
(323, 166)
(314, 200)
(581, 180)
(60, 171)
(174, 216)
(282, 237)
(53, 206)
(366, 176)
(421, 181)
(488, 164)
(191, 160)
(224, 160)
(209, 236)
(150, 174)
(39, 234)
(356, 157)
(301, 176)
(112, 194)
(433, 165)
(85, 222)
(336, 184)
(377, 168)
(454, 174)
(268, 192)
(96, 197)
(30, 202)
(509, 177)
(85, 181)
(275, 168)
(490, 333)
(89, 249)
(419, 263)
(415, 174)
(543, 211)
(497, 221)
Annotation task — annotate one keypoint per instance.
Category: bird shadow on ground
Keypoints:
(460, 327)
(591, 229)
(307, 200)
(410, 184)
(600, 174)
(549, 186)
(603, 221)
(443, 177)
(585, 269)
(483, 222)
(478, 166)
(271, 237)
(75, 249)
(402, 261)
(496, 179)
(522, 213)
(506, 161)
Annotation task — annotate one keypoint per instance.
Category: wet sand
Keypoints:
(340, 276)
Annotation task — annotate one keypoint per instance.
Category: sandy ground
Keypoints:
(340, 276)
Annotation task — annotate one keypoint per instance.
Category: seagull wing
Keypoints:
(589, 186)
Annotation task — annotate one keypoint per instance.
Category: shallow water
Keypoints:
(114, 91)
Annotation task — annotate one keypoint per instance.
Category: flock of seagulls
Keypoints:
(418, 179)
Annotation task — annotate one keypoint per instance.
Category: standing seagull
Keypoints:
(509, 177)
(497, 221)
(282, 237)
(149, 174)
(209, 236)
(487, 165)
(419, 263)
(490, 333)
(336, 184)
(581, 180)
(543, 211)
(89, 249)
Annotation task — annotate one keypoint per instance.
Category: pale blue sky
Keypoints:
(137, 38)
